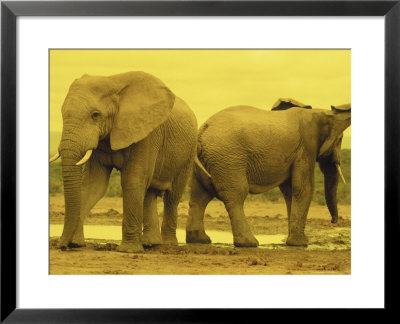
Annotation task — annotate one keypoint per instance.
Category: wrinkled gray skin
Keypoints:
(135, 124)
(244, 150)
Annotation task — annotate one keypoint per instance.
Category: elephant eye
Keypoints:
(95, 115)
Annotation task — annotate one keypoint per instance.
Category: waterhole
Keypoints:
(110, 232)
(331, 240)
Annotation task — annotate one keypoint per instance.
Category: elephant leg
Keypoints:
(136, 177)
(151, 228)
(134, 187)
(233, 195)
(286, 189)
(94, 186)
(132, 221)
(302, 189)
(242, 235)
(199, 199)
(169, 224)
(171, 201)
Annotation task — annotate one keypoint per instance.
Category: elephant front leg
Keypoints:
(132, 221)
(94, 186)
(286, 189)
(302, 188)
(78, 239)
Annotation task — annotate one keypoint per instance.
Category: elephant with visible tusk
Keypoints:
(244, 150)
(134, 123)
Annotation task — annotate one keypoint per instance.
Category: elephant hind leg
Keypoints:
(199, 199)
(171, 201)
(151, 228)
(233, 193)
(242, 235)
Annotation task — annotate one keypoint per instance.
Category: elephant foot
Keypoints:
(197, 236)
(63, 247)
(334, 219)
(169, 240)
(297, 240)
(63, 244)
(151, 239)
(245, 241)
(77, 242)
(74, 244)
(130, 247)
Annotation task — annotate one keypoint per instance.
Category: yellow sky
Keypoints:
(211, 80)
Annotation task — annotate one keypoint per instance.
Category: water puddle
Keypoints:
(333, 241)
(109, 232)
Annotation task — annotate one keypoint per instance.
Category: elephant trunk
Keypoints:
(72, 177)
(331, 179)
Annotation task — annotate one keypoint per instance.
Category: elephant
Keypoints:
(286, 103)
(243, 149)
(134, 123)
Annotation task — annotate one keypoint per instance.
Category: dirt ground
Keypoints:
(329, 251)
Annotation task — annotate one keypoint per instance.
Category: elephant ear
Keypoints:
(286, 103)
(337, 120)
(144, 104)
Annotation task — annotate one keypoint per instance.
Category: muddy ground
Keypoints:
(329, 250)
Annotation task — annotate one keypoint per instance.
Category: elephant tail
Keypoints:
(203, 176)
(201, 167)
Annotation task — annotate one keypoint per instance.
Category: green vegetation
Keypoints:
(274, 195)
(55, 178)
(56, 182)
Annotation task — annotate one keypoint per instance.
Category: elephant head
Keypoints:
(330, 141)
(286, 103)
(121, 109)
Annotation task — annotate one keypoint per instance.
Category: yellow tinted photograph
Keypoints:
(200, 161)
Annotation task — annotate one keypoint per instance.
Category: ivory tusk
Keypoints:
(54, 157)
(340, 173)
(85, 158)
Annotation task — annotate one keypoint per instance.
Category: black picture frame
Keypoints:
(10, 10)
